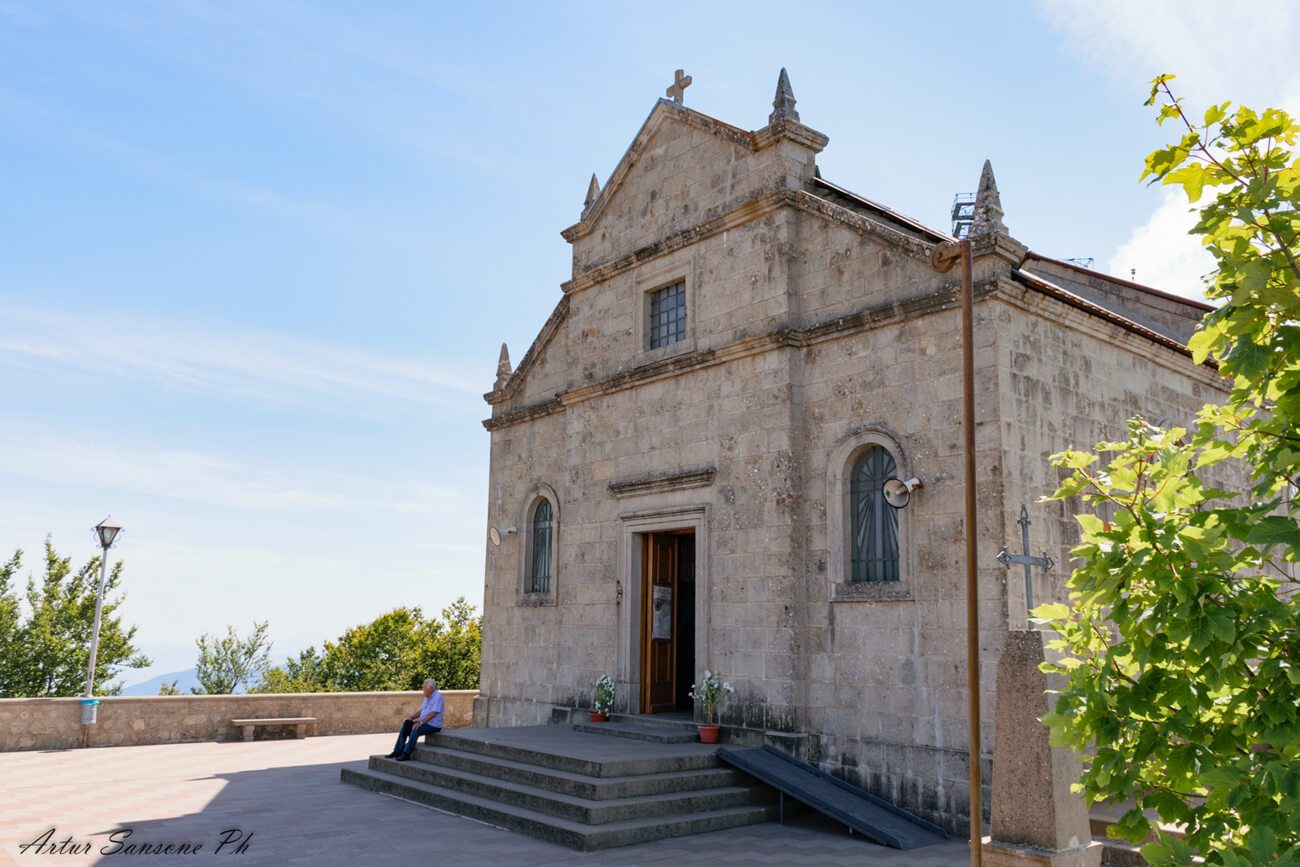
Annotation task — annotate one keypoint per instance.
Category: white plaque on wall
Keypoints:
(662, 622)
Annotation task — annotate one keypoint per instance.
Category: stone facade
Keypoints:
(815, 327)
(55, 723)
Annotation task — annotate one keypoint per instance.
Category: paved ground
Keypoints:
(283, 799)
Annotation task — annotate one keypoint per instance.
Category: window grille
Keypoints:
(875, 523)
(539, 575)
(668, 315)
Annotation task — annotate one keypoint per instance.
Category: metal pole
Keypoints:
(972, 572)
(94, 640)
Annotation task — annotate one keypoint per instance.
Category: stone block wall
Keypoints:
(55, 723)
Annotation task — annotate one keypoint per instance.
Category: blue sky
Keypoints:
(257, 259)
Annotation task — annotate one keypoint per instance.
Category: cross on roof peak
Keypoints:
(677, 89)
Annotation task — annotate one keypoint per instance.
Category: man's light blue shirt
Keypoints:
(432, 705)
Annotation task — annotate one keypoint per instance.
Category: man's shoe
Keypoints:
(404, 757)
(394, 754)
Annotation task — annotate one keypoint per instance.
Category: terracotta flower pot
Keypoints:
(597, 716)
(709, 734)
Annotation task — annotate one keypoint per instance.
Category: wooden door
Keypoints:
(658, 623)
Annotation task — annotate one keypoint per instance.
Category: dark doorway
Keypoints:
(668, 620)
(685, 621)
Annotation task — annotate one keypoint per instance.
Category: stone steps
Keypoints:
(584, 790)
(659, 720)
(577, 809)
(592, 767)
(580, 785)
(658, 734)
(563, 831)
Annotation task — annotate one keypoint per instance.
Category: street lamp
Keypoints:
(106, 531)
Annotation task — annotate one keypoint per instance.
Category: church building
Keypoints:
(690, 464)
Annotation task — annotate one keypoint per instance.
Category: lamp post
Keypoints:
(943, 257)
(106, 531)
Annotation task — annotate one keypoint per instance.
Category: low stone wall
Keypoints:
(55, 723)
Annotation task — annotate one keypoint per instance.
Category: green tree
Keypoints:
(46, 653)
(229, 662)
(380, 655)
(395, 651)
(449, 649)
(1182, 640)
(166, 688)
(296, 675)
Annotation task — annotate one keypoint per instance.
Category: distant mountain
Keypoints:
(184, 680)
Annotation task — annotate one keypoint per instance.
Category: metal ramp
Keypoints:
(864, 813)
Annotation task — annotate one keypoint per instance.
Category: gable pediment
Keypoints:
(667, 120)
(684, 168)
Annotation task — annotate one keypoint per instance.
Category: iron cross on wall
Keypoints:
(1006, 558)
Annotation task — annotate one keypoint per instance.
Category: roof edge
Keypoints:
(1129, 284)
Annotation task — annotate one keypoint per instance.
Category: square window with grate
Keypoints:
(668, 315)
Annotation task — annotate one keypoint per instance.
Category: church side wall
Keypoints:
(520, 642)
(887, 670)
(1068, 380)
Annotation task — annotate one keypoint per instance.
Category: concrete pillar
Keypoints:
(1036, 818)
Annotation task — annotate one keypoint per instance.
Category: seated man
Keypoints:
(427, 719)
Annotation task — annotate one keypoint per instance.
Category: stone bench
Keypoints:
(250, 725)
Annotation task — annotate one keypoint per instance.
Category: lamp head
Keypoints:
(106, 531)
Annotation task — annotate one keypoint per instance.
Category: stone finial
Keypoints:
(783, 103)
(503, 366)
(593, 190)
(988, 206)
(677, 90)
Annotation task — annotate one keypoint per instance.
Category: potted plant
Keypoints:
(710, 692)
(604, 705)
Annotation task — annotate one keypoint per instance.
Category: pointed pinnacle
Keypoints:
(784, 102)
(503, 366)
(593, 190)
(988, 205)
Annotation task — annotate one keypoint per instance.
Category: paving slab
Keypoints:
(285, 800)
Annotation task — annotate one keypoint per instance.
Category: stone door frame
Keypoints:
(632, 525)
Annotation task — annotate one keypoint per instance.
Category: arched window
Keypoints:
(539, 567)
(875, 524)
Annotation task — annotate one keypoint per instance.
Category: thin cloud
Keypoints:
(268, 367)
(1162, 253)
(213, 481)
(1134, 42)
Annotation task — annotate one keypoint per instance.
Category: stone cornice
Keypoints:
(552, 325)
(1082, 315)
(676, 481)
(942, 298)
(792, 130)
(1097, 321)
(528, 413)
(753, 208)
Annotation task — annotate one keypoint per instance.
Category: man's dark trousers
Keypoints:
(414, 736)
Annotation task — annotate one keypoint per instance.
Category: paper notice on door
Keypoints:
(662, 614)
